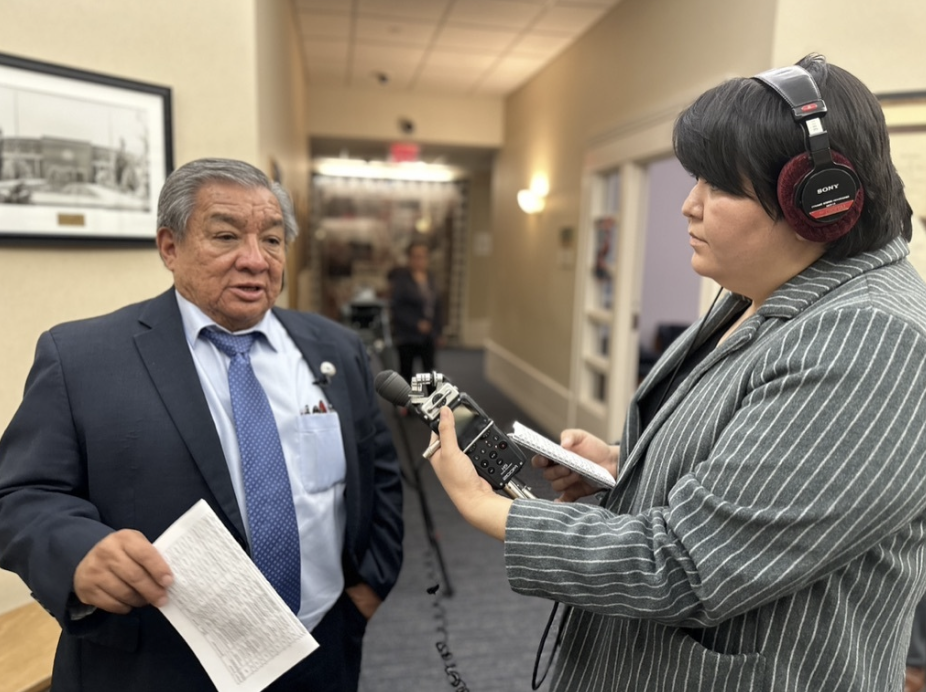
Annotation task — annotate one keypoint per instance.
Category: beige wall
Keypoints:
(282, 130)
(479, 241)
(638, 60)
(214, 55)
(374, 114)
(641, 59)
(879, 42)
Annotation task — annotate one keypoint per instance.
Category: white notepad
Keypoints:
(537, 443)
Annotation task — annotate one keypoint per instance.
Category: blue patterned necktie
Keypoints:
(267, 492)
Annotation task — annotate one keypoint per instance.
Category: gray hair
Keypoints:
(178, 196)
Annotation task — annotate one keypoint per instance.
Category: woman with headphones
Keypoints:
(767, 529)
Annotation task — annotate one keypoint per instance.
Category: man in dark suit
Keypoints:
(130, 418)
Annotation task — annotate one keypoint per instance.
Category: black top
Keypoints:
(659, 394)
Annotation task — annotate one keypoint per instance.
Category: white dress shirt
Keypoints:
(312, 446)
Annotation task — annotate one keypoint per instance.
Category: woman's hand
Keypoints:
(568, 483)
(471, 495)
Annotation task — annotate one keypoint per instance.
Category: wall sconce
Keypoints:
(533, 199)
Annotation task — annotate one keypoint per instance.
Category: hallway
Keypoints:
(492, 632)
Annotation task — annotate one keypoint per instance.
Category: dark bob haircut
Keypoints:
(741, 133)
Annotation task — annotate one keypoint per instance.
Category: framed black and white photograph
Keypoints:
(82, 155)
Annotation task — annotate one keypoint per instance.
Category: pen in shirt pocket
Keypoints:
(320, 407)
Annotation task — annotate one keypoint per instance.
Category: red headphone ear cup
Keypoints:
(791, 176)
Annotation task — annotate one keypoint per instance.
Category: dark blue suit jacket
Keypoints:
(114, 432)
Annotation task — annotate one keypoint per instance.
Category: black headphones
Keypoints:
(819, 192)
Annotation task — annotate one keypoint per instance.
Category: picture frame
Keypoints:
(83, 155)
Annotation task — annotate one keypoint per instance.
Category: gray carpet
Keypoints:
(491, 633)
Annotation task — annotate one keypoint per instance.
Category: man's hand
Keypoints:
(568, 483)
(472, 496)
(364, 598)
(121, 572)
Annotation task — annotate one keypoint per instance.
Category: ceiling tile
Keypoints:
(387, 57)
(364, 75)
(449, 61)
(486, 47)
(445, 83)
(425, 10)
(324, 24)
(541, 45)
(467, 74)
(572, 19)
(309, 5)
(329, 51)
(328, 75)
(484, 40)
(399, 31)
(514, 14)
(585, 3)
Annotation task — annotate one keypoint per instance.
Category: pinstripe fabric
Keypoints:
(767, 530)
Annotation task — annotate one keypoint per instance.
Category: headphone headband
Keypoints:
(795, 85)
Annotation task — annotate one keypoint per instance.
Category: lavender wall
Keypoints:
(670, 286)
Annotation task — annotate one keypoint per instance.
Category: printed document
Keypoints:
(240, 629)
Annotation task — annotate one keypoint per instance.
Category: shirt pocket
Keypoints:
(321, 451)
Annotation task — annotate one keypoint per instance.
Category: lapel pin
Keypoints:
(328, 371)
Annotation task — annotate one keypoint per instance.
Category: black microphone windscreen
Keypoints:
(392, 387)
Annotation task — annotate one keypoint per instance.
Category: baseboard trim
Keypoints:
(537, 394)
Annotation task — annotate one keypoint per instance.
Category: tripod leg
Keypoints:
(423, 503)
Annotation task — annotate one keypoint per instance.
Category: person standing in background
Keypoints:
(417, 317)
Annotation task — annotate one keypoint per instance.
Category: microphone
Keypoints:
(392, 387)
(496, 458)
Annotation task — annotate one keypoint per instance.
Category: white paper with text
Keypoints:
(241, 631)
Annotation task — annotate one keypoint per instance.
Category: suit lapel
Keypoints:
(316, 350)
(787, 302)
(678, 351)
(165, 353)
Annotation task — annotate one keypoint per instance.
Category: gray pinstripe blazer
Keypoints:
(768, 528)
